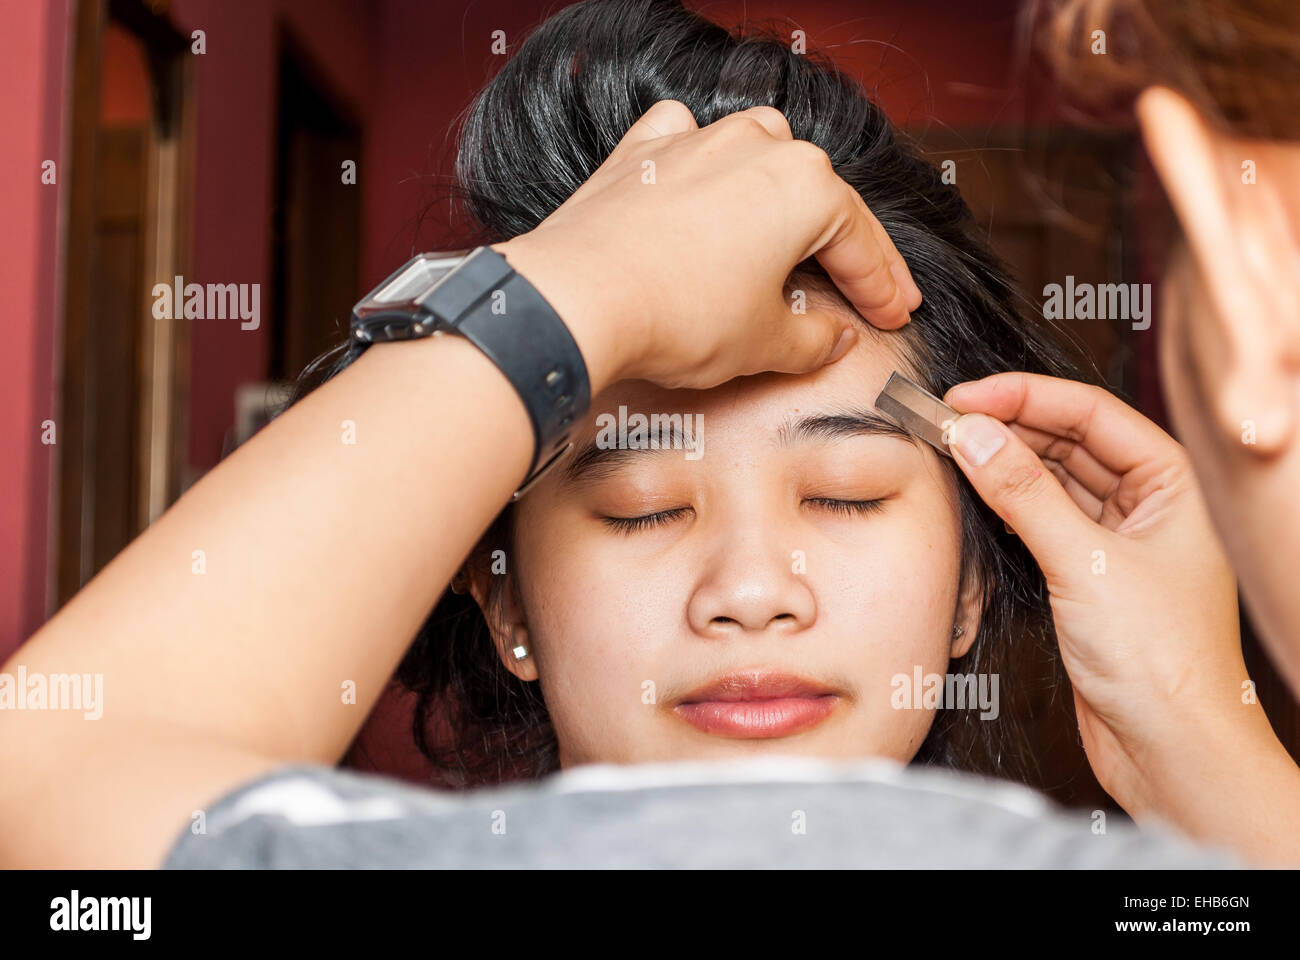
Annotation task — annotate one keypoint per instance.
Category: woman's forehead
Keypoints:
(853, 382)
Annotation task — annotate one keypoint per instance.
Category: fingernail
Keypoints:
(978, 437)
(846, 340)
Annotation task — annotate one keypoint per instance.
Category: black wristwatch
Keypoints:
(478, 295)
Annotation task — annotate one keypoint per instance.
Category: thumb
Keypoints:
(799, 342)
(1011, 479)
(665, 117)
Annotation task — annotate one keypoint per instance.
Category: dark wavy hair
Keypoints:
(533, 135)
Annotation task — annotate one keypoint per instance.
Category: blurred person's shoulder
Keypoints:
(765, 813)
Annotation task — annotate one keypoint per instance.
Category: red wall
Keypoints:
(32, 63)
(926, 61)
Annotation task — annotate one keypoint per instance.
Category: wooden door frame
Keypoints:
(164, 356)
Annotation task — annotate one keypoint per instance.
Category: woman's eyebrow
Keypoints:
(593, 462)
(838, 425)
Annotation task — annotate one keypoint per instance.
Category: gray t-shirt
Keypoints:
(771, 812)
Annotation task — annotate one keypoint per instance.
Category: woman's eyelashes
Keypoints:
(650, 520)
(848, 507)
(632, 524)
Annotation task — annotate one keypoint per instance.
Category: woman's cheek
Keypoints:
(891, 600)
(598, 631)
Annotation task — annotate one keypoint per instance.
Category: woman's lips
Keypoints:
(757, 719)
(757, 705)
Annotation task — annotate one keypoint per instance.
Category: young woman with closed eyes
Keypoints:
(643, 605)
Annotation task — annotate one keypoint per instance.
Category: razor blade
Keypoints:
(917, 411)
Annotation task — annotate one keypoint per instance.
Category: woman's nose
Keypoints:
(748, 587)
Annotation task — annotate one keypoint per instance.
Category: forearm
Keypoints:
(320, 560)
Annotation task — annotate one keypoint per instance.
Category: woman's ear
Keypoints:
(498, 598)
(970, 604)
(1238, 205)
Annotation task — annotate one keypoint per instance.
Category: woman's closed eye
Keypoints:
(847, 507)
(645, 521)
(661, 517)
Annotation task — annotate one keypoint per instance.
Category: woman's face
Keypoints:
(802, 555)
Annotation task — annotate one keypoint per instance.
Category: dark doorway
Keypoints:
(317, 217)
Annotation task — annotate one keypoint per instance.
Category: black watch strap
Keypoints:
(482, 298)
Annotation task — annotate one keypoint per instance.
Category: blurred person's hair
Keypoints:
(1237, 61)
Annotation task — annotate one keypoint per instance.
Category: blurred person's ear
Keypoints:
(1238, 203)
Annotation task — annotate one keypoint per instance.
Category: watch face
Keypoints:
(393, 310)
(416, 279)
